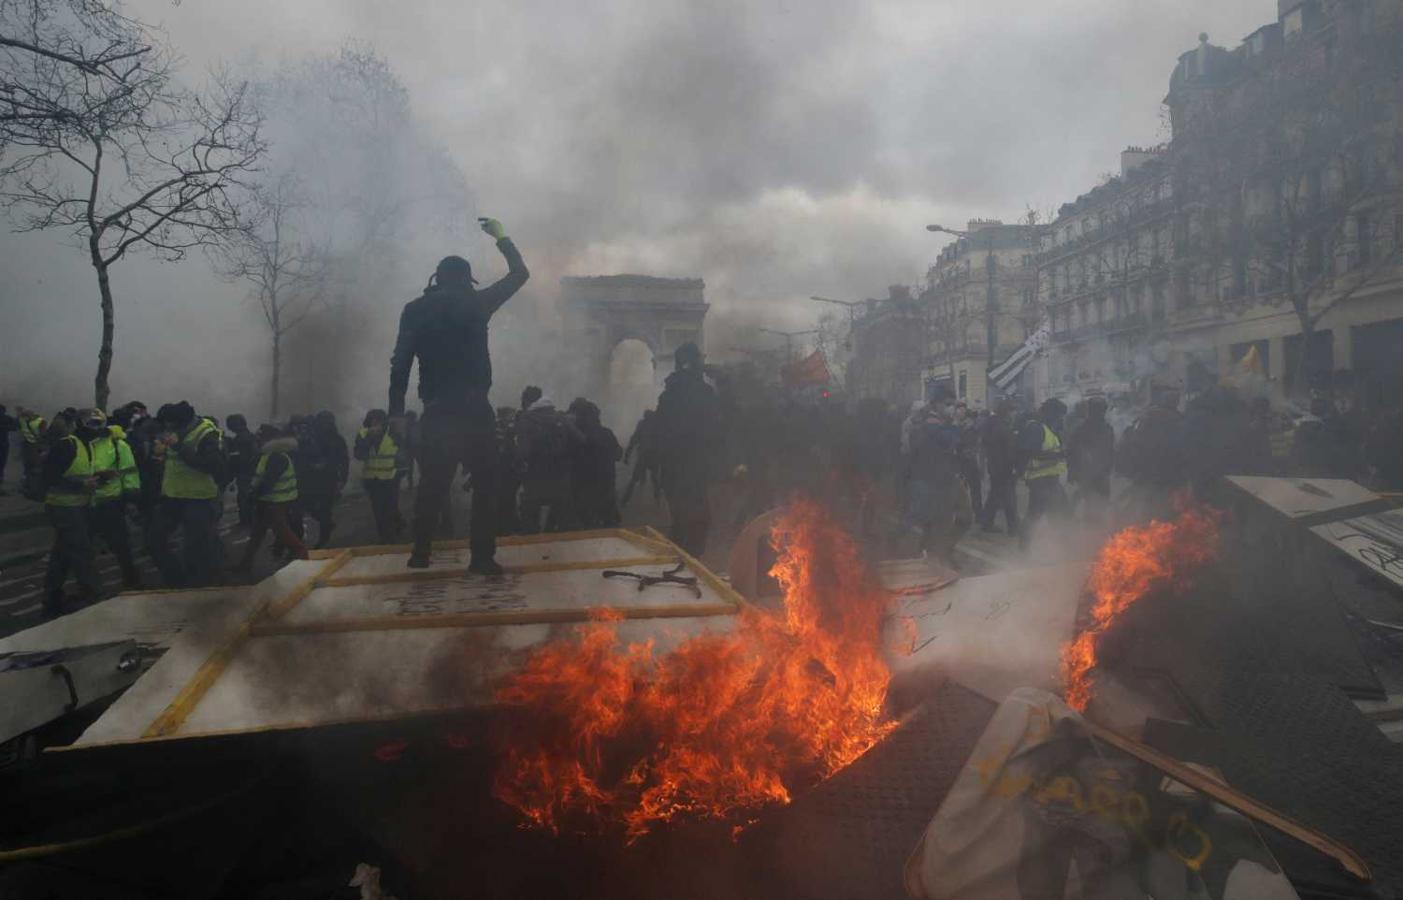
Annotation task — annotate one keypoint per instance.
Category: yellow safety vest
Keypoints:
(112, 453)
(64, 492)
(380, 461)
(31, 429)
(284, 490)
(181, 482)
(1047, 468)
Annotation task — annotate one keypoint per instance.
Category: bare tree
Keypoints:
(50, 47)
(285, 272)
(122, 158)
(1287, 197)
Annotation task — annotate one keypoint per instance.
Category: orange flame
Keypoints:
(1131, 564)
(722, 724)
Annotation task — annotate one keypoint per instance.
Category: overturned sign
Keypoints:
(354, 635)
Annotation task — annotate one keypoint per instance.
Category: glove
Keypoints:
(493, 227)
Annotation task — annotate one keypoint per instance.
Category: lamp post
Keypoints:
(789, 337)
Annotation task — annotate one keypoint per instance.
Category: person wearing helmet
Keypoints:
(445, 329)
(114, 467)
(689, 442)
(68, 490)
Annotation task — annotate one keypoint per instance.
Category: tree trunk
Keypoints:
(101, 391)
(277, 375)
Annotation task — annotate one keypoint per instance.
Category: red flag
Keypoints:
(812, 369)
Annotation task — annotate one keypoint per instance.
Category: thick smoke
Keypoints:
(776, 150)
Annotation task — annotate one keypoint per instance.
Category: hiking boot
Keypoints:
(489, 567)
(419, 559)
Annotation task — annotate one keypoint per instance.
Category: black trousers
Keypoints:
(1046, 498)
(109, 522)
(383, 494)
(72, 551)
(198, 521)
(686, 493)
(969, 470)
(450, 435)
(318, 500)
(244, 485)
(1003, 497)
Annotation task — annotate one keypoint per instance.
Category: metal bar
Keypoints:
(527, 569)
(194, 690)
(480, 619)
(514, 540)
(713, 581)
(1234, 799)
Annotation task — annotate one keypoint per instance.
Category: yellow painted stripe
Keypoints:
(194, 690)
(506, 617)
(527, 569)
(710, 578)
(284, 604)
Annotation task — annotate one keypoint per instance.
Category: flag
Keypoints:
(812, 369)
(1006, 373)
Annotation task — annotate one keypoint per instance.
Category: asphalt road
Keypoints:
(24, 556)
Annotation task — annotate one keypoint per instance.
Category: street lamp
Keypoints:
(789, 337)
(941, 228)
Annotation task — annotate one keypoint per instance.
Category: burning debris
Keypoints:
(1133, 562)
(603, 735)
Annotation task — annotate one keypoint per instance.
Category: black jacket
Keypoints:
(447, 331)
(688, 423)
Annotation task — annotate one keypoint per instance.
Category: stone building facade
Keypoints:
(979, 304)
(1272, 219)
(890, 345)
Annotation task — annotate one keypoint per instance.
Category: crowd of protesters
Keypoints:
(913, 482)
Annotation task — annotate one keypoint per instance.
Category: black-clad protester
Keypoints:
(594, 469)
(689, 438)
(1091, 456)
(242, 445)
(326, 474)
(445, 329)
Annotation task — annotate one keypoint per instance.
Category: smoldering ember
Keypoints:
(701, 450)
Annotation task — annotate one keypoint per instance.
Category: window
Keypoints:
(964, 383)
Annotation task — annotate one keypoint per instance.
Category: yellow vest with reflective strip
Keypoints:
(181, 482)
(65, 493)
(380, 461)
(1047, 468)
(30, 429)
(284, 490)
(111, 453)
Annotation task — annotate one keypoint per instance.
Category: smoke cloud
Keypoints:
(775, 149)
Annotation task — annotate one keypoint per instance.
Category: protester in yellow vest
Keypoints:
(274, 490)
(377, 448)
(1040, 440)
(191, 497)
(32, 431)
(69, 485)
(118, 481)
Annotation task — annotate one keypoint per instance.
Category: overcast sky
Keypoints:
(775, 149)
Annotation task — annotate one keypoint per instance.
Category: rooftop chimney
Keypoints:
(1132, 158)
